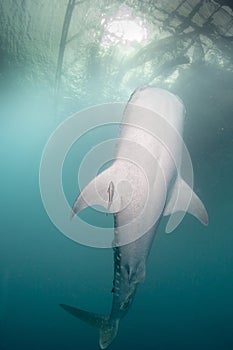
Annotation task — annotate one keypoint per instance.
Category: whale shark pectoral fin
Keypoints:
(183, 199)
(99, 191)
(95, 193)
(107, 328)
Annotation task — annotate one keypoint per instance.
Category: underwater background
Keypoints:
(57, 58)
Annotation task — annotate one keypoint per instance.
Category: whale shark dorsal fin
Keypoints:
(183, 199)
(99, 191)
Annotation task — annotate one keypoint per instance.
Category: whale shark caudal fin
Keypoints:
(182, 198)
(107, 328)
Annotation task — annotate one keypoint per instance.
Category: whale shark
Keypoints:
(143, 184)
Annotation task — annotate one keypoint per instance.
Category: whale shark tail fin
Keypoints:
(107, 328)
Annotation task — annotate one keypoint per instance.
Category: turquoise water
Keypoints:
(186, 301)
